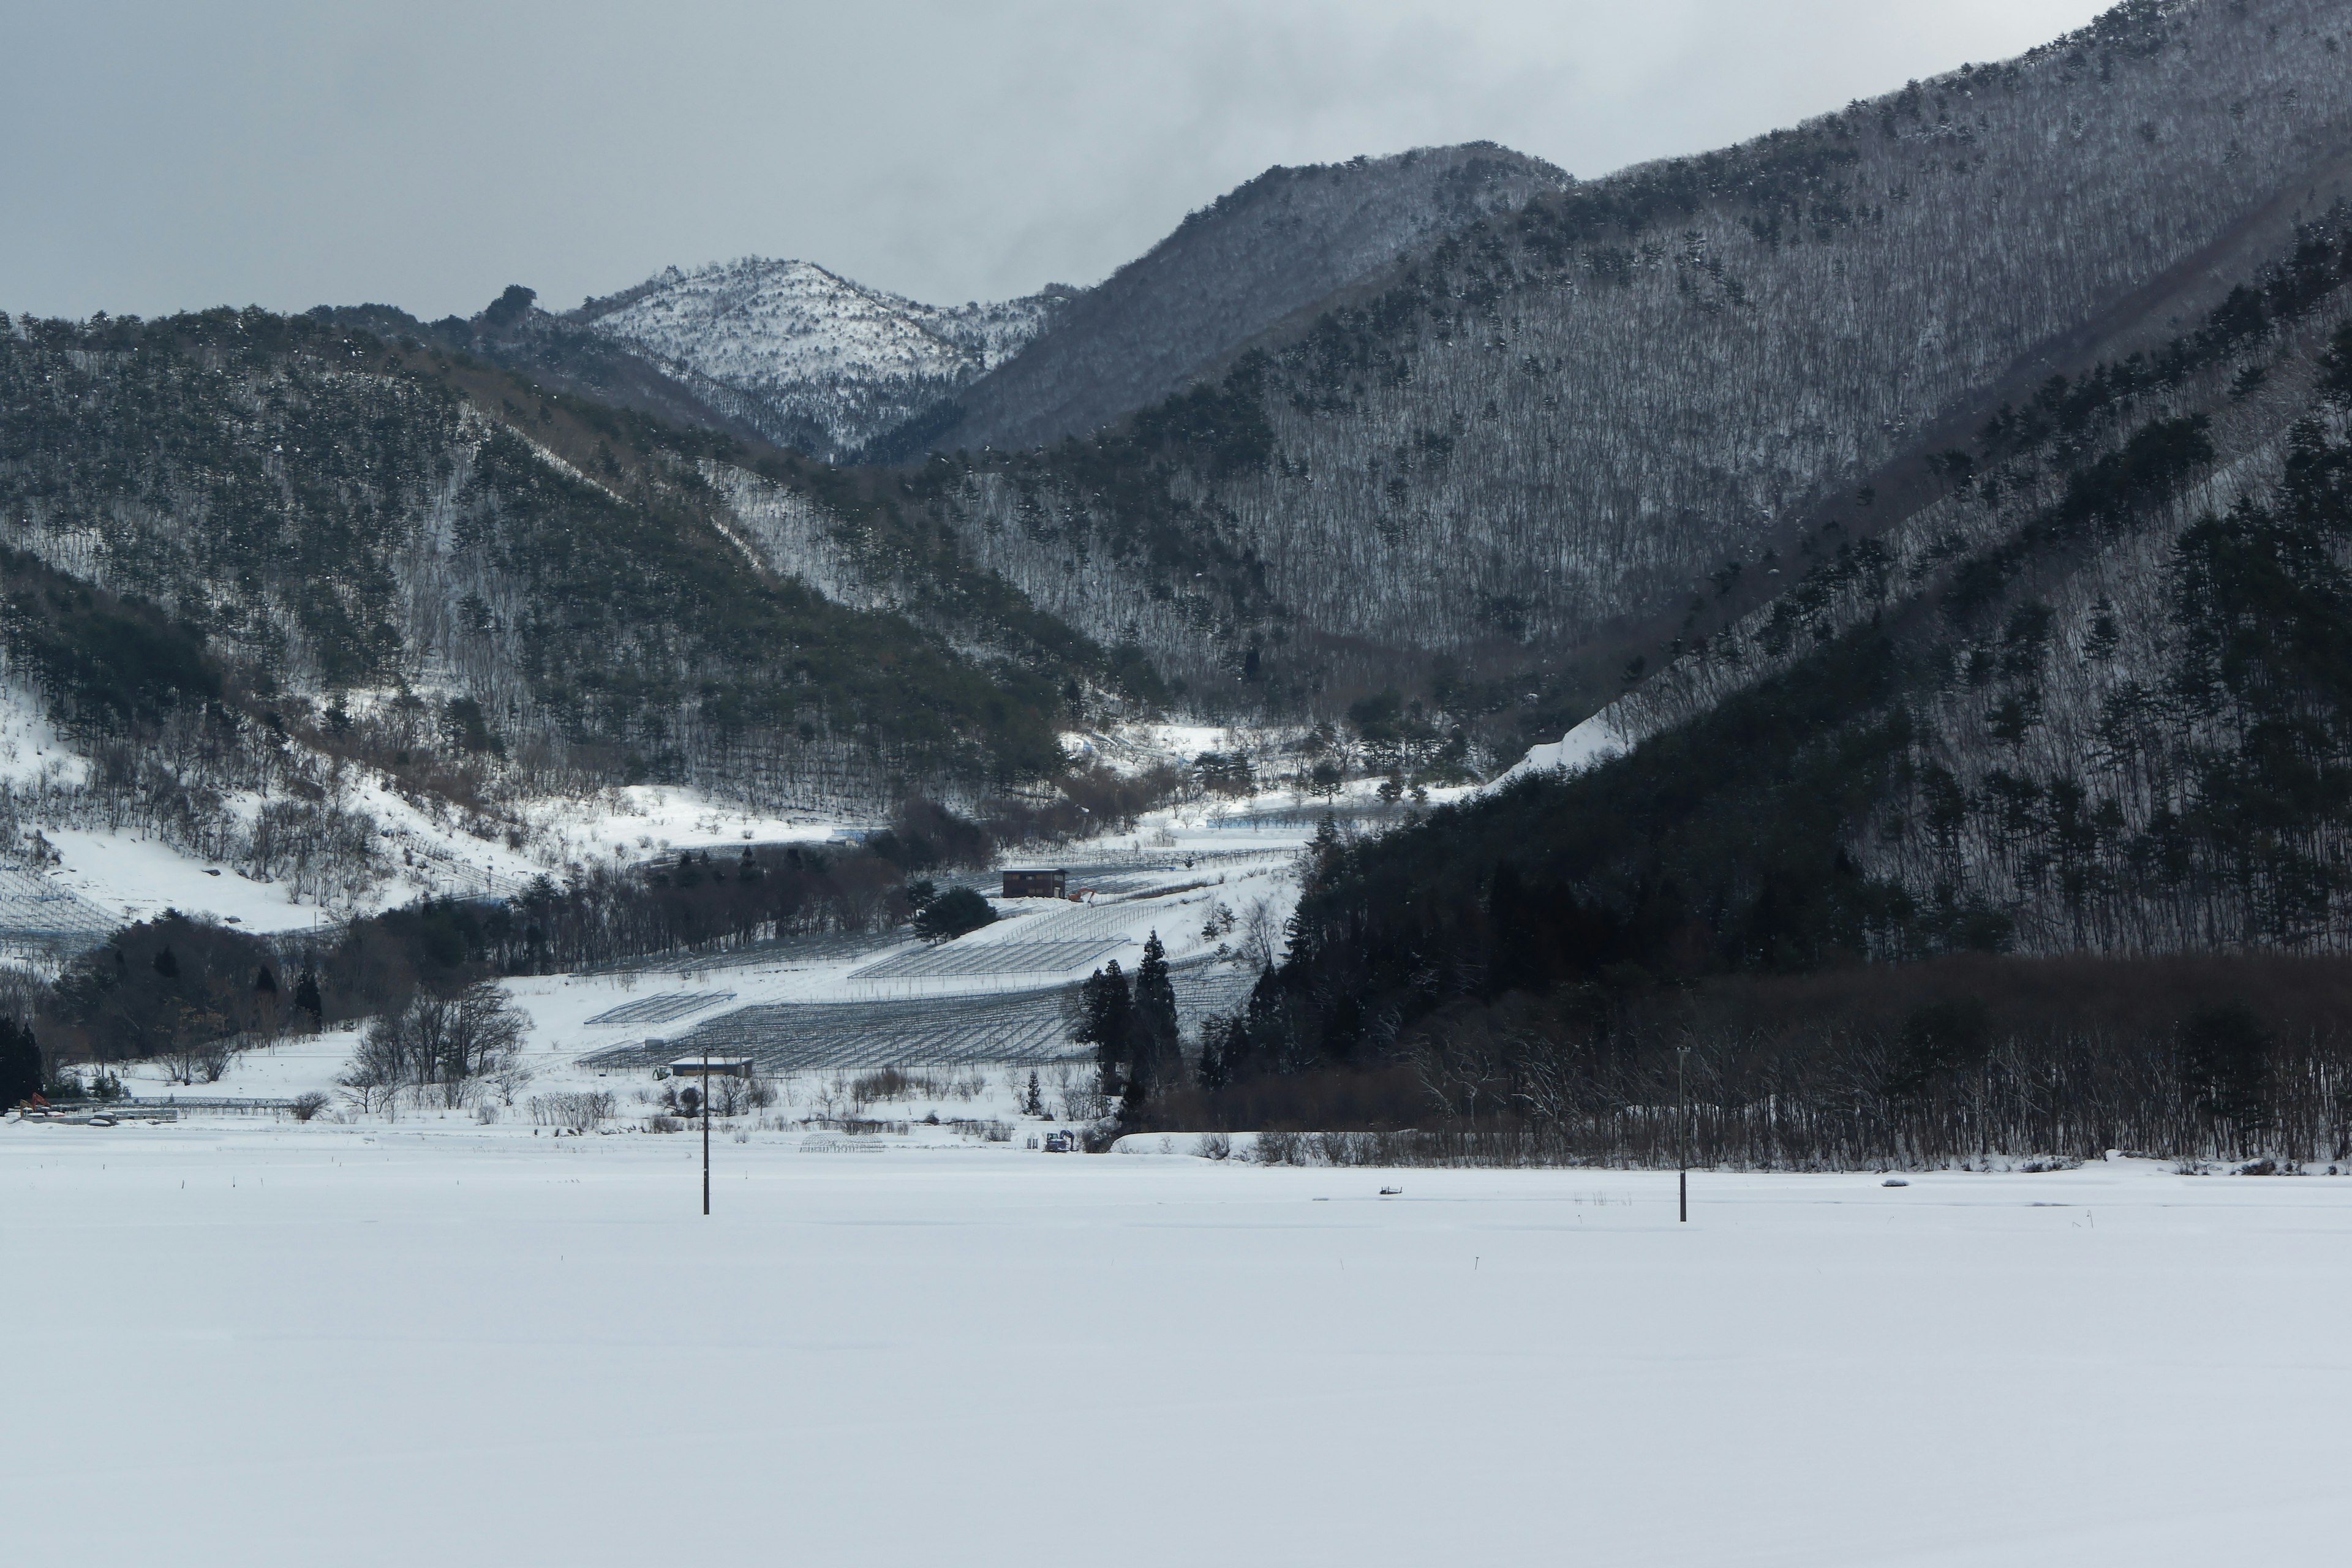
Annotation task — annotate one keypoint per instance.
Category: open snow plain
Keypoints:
(432, 1342)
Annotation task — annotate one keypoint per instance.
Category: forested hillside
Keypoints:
(1285, 241)
(236, 527)
(1538, 439)
(2094, 704)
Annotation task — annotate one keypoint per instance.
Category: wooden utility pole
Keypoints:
(705, 1128)
(1681, 1094)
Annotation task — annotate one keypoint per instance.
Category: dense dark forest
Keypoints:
(2094, 706)
(1976, 1061)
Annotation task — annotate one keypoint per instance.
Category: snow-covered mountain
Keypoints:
(809, 358)
(1573, 435)
(1290, 239)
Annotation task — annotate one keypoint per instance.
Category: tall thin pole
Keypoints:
(706, 1128)
(1682, 1092)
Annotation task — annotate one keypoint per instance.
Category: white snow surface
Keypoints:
(264, 1343)
(30, 748)
(138, 878)
(1589, 744)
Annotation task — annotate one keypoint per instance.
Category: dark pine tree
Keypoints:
(20, 1063)
(166, 964)
(264, 983)
(2225, 1065)
(1106, 1022)
(1214, 1073)
(307, 998)
(1157, 1057)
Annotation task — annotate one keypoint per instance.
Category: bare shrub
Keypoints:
(1213, 1146)
(580, 1110)
(307, 1104)
(1348, 1148)
(509, 1080)
(1078, 1089)
(886, 1083)
(213, 1057)
(731, 1095)
(1282, 1149)
(1260, 939)
(367, 1098)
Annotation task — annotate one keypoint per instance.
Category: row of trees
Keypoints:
(441, 1043)
(1131, 1023)
(1955, 1062)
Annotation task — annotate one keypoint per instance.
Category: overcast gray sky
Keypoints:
(163, 156)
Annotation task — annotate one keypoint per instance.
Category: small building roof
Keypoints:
(696, 1066)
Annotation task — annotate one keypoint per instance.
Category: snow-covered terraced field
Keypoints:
(1031, 1026)
(1005, 961)
(1080, 922)
(38, 911)
(1025, 1026)
(270, 1344)
(782, 952)
(657, 1009)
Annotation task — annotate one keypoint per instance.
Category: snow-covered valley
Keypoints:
(438, 1342)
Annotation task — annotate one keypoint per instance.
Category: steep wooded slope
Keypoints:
(1285, 241)
(427, 557)
(1545, 433)
(2096, 699)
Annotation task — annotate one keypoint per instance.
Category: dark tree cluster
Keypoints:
(1966, 1061)
(1131, 1021)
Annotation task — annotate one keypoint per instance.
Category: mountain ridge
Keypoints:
(1229, 271)
(809, 358)
(1589, 408)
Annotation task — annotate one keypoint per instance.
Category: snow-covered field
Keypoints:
(261, 1344)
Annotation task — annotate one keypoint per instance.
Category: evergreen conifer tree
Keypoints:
(20, 1063)
(307, 998)
(1106, 1022)
(1213, 1074)
(166, 964)
(1158, 1055)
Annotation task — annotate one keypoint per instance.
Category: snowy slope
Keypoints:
(255, 1338)
(814, 354)
(1591, 742)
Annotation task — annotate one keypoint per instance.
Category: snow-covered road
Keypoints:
(435, 1343)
